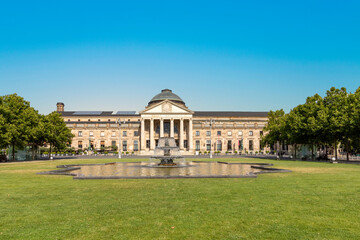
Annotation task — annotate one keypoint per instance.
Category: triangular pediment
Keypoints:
(166, 107)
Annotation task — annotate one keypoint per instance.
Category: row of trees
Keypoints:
(328, 121)
(21, 125)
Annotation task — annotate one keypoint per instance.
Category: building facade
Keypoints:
(166, 115)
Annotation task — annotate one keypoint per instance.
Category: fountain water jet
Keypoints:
(167, 151)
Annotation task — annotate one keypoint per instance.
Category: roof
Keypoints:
(133, 113)
(229, 114)
(166, 94)
(98, 113)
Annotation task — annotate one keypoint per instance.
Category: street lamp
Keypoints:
(211, 122)
(119, 122)
(89, 146)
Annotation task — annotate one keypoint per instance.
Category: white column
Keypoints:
(142, 136)
(152, 140)
(181, 140)
(172, 127)
(190, 135)
(161, 127)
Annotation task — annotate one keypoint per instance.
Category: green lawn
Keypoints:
(315, 201)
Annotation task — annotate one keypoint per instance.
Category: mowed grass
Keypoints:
(315, 201)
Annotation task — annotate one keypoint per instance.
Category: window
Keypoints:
(113, 143)
(124, 133)
(108, 120)
(197, 145)
(102, 134)
(219, 133)
(219, 145)
(147, 143)
(136, 133)
(113, 134)
(197, 133)
(91, 133)
(125, 145)
(208, 133)
(251, 133)
(80, 144)
(80, 134)
(78, 120)
(251, 145)
(136, 145)
(185, 143)
(99, 120)
(89, 120)
(241, 145)
(68, 120)
(208, 145)
(102, 144)
(229, 145)
(261, 133)
(229, 133)
(240, 133)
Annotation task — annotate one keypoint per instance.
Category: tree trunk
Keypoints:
(347, 150)
(33, 152)
(312, 151)
(50, 151)
(295, 150)
(336, 151)
(326, 153)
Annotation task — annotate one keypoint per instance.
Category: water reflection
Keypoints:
(151, 170)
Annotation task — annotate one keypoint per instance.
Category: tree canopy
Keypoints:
(332, 120)
(21, 125)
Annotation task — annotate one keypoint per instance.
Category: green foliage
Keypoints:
(327, 121)
(21, 125)
(58, 135)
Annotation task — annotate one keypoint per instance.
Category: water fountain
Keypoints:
(167, 151)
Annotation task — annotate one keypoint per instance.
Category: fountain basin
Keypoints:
(146, 170)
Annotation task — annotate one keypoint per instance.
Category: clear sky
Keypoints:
(216, 55)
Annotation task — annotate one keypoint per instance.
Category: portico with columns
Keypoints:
(166, 118)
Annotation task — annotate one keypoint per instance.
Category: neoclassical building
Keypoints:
(166, 115)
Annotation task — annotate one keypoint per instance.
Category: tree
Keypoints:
(4, 137)
(17, 118)
(274, 127)
(57, 134)
(340, 120)
(37, 133)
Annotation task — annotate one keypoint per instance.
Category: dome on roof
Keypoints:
(166, 94)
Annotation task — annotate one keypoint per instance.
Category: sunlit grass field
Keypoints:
(315, 201)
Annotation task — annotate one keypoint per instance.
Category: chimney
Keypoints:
(60, 107)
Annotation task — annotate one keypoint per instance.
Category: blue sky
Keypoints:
(216, 55)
